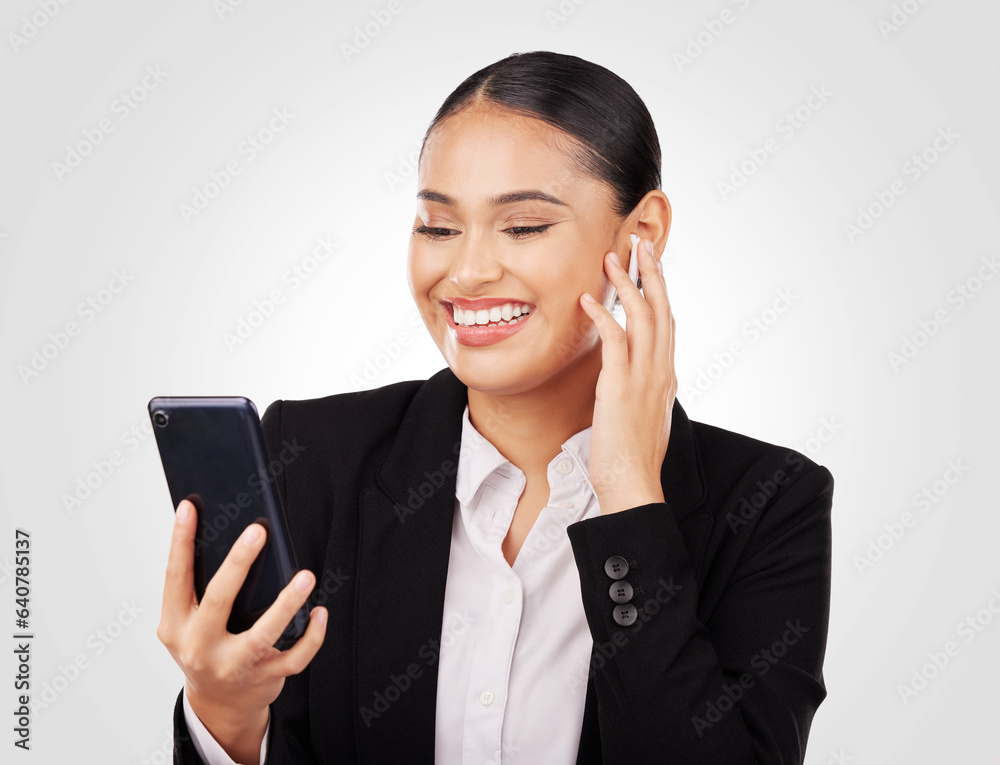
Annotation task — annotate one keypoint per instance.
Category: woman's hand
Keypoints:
(636, 387)
(230, 679)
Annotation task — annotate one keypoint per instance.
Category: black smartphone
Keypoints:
(213, 454)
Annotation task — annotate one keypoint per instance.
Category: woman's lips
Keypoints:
(482, 334)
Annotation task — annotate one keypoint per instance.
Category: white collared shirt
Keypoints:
(515, 644)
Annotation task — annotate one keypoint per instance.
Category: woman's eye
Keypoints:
(434, 233)
(516, 232)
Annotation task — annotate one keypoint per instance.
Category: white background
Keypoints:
(819, 379)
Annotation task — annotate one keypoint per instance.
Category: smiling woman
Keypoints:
(537, 556)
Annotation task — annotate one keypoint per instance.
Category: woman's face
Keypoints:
(503, 212)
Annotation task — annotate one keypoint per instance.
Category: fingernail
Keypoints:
(614, 258)
(588, 298)
(251, 535)
(183, 511)
(649, 247)
(302, 581)
(659, 267)
(320, 616)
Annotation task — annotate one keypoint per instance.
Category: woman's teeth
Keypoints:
(508, 313)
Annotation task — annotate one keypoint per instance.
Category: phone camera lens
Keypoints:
(160, 419)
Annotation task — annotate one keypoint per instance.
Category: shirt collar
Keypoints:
(478, 458)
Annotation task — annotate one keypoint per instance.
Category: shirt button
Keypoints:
(565, 467)
(486, 697)
(616, 567)
(508, 596)
(566, 504)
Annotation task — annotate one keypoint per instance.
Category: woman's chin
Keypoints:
(497, 376)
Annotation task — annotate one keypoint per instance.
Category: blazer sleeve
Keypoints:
(184, 750)
(286, 743)
(739, 683)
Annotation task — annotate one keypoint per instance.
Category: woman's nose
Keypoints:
(476, 263)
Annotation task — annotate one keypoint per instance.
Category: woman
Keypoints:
(513, 565)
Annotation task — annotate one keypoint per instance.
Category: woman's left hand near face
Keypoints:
(636, 387)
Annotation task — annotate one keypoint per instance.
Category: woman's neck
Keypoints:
(530, 428)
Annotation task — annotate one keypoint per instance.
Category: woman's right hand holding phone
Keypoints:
(231, 679)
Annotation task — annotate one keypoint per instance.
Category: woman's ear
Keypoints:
(653, 217)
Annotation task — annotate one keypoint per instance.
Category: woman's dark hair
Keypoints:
(616, 139)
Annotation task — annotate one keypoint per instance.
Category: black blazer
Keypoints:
(731, 579)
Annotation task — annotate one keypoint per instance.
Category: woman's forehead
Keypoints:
(484, 129)
(493, 152)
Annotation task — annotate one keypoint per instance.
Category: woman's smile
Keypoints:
(486, 325)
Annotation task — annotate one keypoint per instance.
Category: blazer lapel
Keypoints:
(405, 539)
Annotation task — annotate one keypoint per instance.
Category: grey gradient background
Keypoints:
(819, 379)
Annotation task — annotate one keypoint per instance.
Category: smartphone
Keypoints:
(213, 454)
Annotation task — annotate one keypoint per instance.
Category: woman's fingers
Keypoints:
(273, 622)
(297, 658)
(614, 350)
(648, 336)
(260, 662)
(178, 586)
(616, 343)
(655, 289)
(647, 312)
(238, 674)
(225, 584)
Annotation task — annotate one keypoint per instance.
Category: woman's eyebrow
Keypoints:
(497, 201)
